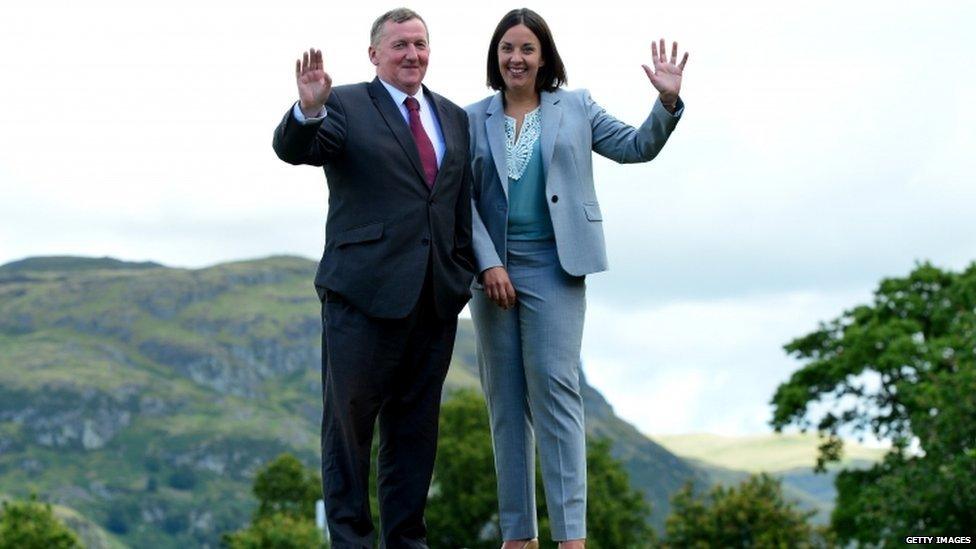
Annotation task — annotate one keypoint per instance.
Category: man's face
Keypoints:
(401, 56)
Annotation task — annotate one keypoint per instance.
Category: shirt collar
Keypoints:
(399, 95)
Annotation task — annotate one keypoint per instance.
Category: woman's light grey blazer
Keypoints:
(572, 126)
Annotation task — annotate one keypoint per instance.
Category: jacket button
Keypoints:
(555, 198)
(425, 242)
(430, 202)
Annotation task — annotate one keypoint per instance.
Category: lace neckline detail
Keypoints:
(518, 152)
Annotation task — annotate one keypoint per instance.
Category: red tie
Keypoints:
(427, 156)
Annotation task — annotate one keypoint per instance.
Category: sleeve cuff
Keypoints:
(302, 119)
(679, 108)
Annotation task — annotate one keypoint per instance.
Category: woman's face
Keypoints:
(519, 58)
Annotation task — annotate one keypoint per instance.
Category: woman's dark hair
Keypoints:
(552, 73)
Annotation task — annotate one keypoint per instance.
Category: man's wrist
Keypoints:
(311, 111)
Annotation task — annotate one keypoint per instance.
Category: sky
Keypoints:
(824, 146)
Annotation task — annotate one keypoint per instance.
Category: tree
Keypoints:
(901, 369)
(183, 479)
(277, 531)
(286, 486)
(119, 515)
(285, 516)
(462, 510)
(754, 514)
(32, 525)
(616, 513)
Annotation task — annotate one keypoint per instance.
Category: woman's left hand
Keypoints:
(666, 75)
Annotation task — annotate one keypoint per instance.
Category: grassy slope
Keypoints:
(729, 460)
(773, 453)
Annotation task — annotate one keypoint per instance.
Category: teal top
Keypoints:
(528, 213)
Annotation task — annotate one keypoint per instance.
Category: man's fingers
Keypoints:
(674, 53)
(683, 61)
(654, 51)
(298, 68)
(664, 55)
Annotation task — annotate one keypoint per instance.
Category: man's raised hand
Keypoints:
(314, 84)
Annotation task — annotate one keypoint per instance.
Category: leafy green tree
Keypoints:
(32, 525)
(462, 510)
(286, 486)
(616, 513)
(285, 516)
(463, 507)
(277, 531)
(901, 369)
(753, 514)
(120, 515)
(183, 479)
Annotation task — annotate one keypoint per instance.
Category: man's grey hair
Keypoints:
(398, 15)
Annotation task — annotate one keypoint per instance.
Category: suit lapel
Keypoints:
(495, 129)
(394, 119)
(552, 115)
(448, 131)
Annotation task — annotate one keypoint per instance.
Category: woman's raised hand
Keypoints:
(666, 74)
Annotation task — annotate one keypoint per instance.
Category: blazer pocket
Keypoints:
(592, 210)
(366, 233)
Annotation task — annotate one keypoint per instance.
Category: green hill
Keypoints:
(92, 535)
(66, 263)
(728, 460)
(146, 397)
(772, 453)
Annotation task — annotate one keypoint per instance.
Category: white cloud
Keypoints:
(702, 366)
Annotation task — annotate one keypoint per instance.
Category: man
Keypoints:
(395, 272)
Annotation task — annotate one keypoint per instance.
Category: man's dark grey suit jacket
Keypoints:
(384, 224)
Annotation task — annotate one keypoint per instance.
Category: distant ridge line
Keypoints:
(73, 263)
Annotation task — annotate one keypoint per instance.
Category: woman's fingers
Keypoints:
(499, 288)
(494, 293)
(502, 293)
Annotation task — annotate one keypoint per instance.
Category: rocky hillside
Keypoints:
(146, 397)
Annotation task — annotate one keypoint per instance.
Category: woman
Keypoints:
(537, 233)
